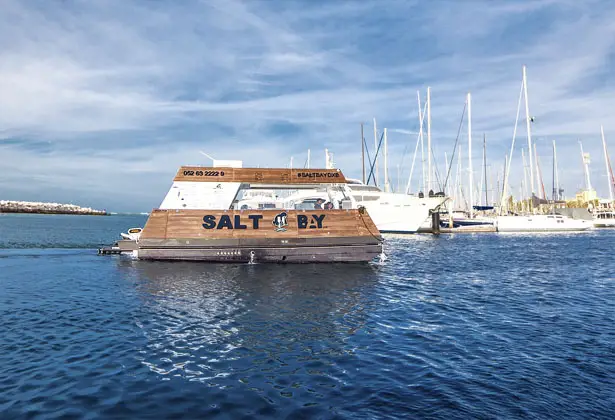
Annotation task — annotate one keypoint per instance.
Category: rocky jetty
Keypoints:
(47, 208)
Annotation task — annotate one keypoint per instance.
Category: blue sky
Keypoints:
(101, 101)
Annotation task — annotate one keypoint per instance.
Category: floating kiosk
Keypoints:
(207, 216)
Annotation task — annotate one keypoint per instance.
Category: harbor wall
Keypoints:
(47, 208)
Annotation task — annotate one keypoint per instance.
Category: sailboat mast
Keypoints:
(429, 138)
(607, 163)
(471, 178)
(523, 195)
(458, 178)
(445, 169)
(586, 167)
(485, 166)
(421, 118)
(557, 197)
(363, 152)
(554, 192)
(309, 156)
(539, 175)
(529, 131)
(512, 148)
(505, 181)
(386, 167)
(376, 155)
(497, 183)
(524, 169)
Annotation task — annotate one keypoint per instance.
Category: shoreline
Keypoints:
(48, 208)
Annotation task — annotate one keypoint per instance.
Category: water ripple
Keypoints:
(463, 326)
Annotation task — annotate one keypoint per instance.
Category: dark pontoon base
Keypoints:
(346, 253)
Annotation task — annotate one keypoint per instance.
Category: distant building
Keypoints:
(586, 196)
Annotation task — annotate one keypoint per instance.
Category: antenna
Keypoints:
(206, 155)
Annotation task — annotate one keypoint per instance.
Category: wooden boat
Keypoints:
(200, 219)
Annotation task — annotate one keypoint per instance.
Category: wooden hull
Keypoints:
(260, 236)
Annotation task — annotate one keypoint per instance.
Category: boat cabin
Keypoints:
(262, 214)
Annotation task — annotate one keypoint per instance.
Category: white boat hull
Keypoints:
(604, 223)
(604, 219)
(400, 213)
(541, 223)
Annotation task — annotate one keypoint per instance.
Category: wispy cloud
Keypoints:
(101, 101)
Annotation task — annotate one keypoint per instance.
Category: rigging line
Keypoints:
(463, 113)
(512, 147)
(369, 159)
(371, 170)
(412, 166)
(416, 148)
(436, 172)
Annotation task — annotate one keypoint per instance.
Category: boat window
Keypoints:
(364, 188)
(282, 197)
(366, 197)
(305, 205)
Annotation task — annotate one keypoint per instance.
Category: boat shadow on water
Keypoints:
(209, 322)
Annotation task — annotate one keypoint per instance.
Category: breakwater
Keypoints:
(47, 208)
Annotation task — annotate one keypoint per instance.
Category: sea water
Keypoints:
(455, 326)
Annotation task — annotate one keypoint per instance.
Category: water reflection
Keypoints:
(215, 322)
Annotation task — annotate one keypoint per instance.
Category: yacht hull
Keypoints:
(604, 220)
(400, 213)
(465, 222)
(540, 223)
(604, 224)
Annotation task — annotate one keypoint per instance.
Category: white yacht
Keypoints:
(391, 212)
(604, 219)
(604, 214)
(394, 212)
(534, 222)
(541, 223)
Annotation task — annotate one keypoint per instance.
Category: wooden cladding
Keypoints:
(256, 224)
(260, 175)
